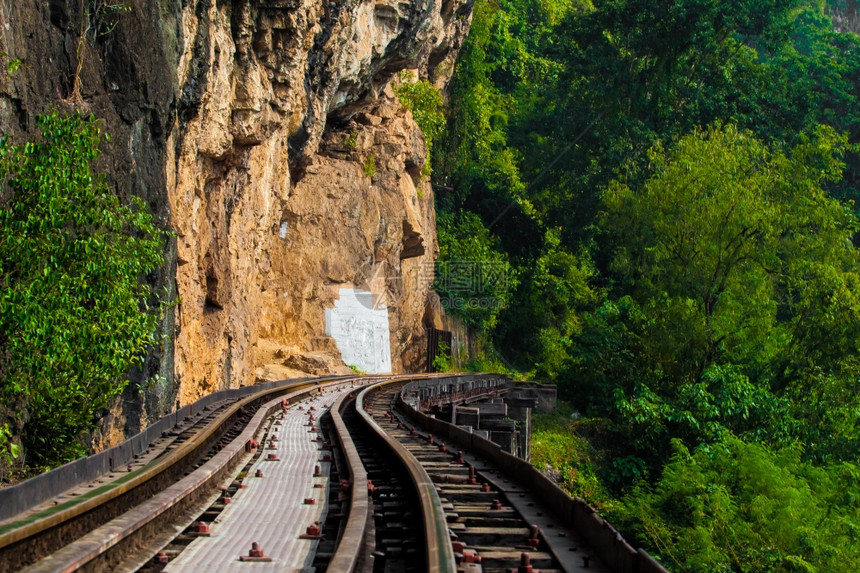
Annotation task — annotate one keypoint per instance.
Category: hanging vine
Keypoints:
(99, 18)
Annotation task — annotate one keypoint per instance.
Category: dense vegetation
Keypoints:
(75, 313)
(672, 185)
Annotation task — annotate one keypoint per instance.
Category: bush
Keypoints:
(565, 456)
(737, 506)
(74, 314)
(369, 166)
(425, 103)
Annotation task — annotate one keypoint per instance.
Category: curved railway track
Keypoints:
(474, 518)
(392, 496)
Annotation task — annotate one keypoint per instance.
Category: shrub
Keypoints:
(351, 140)
(369, 166)
(74, 314)
(425, 103)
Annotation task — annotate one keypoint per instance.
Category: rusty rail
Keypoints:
(346, 556)
(440, 554)
(12, 539)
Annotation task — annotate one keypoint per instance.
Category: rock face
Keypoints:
(266, 134)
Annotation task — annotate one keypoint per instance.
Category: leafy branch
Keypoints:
(9, 450)
(74, 312)
(425, 102)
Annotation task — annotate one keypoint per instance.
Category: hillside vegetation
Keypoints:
(670, 188)
(75, 313)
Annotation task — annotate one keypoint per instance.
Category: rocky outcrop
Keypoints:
(344, 227)
(265, 134)
(293, 178)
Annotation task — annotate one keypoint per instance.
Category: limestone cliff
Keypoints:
(266, 135)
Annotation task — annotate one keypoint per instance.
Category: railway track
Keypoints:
(396, 532)
(480, 525)
(386, 496)
(90, 525)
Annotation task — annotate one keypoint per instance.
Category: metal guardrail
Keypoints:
(454, 389)
(604, 539)
(30, 493)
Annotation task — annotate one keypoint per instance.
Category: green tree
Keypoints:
(501, 74)
(699, 289)
(74, 312)
(648, 71)
(546, 315)
(473, 278)
(742, 507)
(636, 72)
(814, 79)
(552, 100)
(493, 88)
(425, 102)
(735, 273)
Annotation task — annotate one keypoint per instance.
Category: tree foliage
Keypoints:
(74, 312)
(738, 506)
(425, 102)
(739, 275)
(549, 301)
(473, 278)
(672, 183)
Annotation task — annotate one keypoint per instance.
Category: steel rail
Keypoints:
(131, 521)
(439, 553)
(606, 542)
(53, 518)
(349, 547)
(98, 542)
